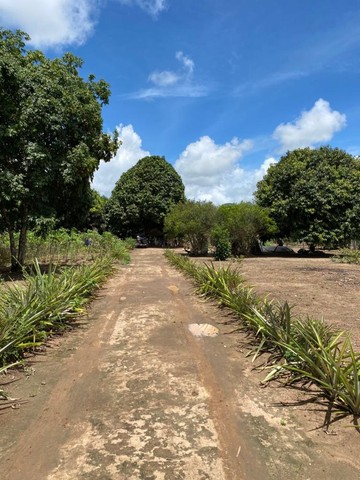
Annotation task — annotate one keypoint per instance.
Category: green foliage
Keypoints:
(51, 138)
(220, 240)
(314, 195)
(310, 350)
(246, 223)
(142, 197)
(45, 304)
(96, 216)
(62, 246)
(193, 222)
(347, 255)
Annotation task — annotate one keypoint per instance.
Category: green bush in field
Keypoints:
(221, 241)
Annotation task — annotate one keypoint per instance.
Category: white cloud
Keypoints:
(127, 156)
(209, 171)
(212, 172)
(314, 126)
(168, 83)
(187, 90)
(163, 79)
(168, 78)
(152, 7)
(186, 61)
(50, 23)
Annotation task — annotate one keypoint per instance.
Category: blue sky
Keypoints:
(221, 88)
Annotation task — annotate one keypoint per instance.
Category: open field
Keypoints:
(314, 286)
(317, 287)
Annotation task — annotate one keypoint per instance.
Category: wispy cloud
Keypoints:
(271, 80)
(331, 47)
(51, 23)
(315, 54)
(152, 7)
(169, 83)
(191, 91)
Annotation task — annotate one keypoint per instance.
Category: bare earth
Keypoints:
(132, 394)
(317, 287)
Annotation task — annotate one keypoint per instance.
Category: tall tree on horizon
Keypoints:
(143, 196)
(314, 195)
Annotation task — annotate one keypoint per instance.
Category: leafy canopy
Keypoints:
(246, 223)
(51, 139)
(143, 196)
(192, 221)
(314, 195)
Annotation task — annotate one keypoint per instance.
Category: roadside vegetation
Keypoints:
(47, 300)
(64, 247)
(301, 349)
(347, 255)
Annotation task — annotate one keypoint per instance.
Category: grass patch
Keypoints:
(347, 255)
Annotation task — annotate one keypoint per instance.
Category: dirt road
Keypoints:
(134, 395)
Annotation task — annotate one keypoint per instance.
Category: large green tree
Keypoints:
(314, 194)
(51, 139)
(142, 197)
(193, 222)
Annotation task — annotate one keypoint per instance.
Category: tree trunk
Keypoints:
(23, 237)
(13, 251)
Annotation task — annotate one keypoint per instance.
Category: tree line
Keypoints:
(51, 143)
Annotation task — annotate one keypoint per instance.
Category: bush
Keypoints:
(221, 241)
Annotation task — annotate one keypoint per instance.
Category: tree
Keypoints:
(193, 222)
(246, 224)
(96, 216)
(142, 197)
(51, 139)
(314, 195)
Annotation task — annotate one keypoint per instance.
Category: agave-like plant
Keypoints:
(310, 349)
(44, 304)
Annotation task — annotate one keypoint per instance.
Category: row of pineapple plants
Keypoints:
(309, 349)
(47, 302)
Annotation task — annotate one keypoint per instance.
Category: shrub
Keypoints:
(221, 241)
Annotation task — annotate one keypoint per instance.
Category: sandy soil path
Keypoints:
(134, 395)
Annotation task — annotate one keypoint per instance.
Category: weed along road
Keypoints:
(144, 390)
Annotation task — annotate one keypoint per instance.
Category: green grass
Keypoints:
(347, 255)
